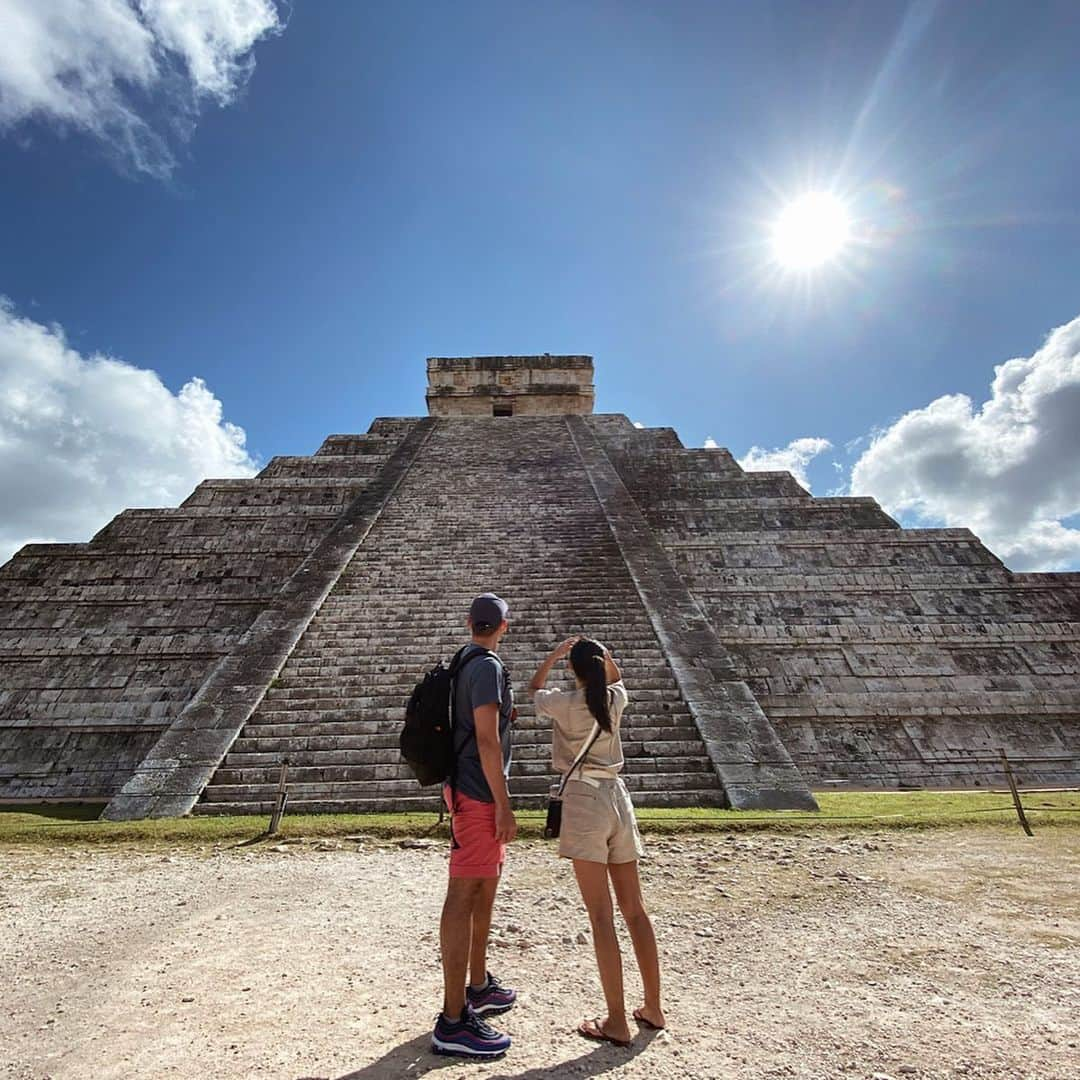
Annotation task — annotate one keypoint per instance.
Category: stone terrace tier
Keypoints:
(103, 644)
(884, 657)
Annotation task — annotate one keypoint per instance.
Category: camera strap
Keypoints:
(582, 754)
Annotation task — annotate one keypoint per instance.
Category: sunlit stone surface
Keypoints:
(773, 642)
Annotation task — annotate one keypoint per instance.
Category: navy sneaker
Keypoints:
(492, 997)
(468, 1037)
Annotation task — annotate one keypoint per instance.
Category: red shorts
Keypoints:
(474, 851)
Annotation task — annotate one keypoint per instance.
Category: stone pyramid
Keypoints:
(773, 642)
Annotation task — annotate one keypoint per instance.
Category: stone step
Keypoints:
(624, 641)
(427, 552)
(744, 581)
(762, 622)
(365, 751)
(519, 785)
(533, 640)
(354, 721)
(278, 736)
(371, 443)
(522, 663)
(675, 713)
(368, 647)
(404, 681)
(533, 624)
(535, 616)
(382, 698)
(304, 772)
(324, 465)
(780, 690)
(934, 630)
(429, 803)
(1018, 703)
(316, 711)
(306, 666)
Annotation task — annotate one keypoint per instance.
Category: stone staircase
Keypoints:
(501, 504)
(103, 644)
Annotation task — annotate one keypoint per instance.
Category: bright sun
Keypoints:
(810, 231)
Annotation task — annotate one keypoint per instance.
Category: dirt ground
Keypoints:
(926, 954)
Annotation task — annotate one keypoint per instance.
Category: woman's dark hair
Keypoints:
(587, 660)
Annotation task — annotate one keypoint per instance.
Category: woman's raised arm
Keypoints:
(544, 670)
(611, 669)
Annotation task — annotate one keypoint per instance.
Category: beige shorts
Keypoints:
(598, 823)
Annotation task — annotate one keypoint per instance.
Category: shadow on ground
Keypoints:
(414, 1058)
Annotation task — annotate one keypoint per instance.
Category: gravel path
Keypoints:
(936, 954)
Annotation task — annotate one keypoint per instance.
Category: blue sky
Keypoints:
(392, 181)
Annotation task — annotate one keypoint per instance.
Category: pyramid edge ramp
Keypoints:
(170, 779)
(753, 765)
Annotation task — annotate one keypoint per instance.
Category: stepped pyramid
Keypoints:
(773, 642)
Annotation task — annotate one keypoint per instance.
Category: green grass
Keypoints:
(844, 811)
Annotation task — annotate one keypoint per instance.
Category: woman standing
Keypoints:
(599, 832)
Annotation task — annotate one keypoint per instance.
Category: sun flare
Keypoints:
(810, 231)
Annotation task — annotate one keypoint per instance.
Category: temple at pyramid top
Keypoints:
(509, 385)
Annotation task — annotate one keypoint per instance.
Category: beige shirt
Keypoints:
(572, 724)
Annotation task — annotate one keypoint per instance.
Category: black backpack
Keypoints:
(427, 738)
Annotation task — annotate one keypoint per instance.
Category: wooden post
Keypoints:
(281, 799)
(1015, 794)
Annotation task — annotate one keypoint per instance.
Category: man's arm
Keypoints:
(486, 721)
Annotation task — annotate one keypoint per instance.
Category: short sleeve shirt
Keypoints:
(483, 682)
(572, 724)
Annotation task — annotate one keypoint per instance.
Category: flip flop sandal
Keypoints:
(646, 1022)
(591, 1029)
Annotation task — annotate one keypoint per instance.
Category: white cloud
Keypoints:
(1008, 469)
(82, 438)
(94, 65)
(792, 458)
(711, 443)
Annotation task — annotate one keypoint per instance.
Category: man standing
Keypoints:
(481, 825)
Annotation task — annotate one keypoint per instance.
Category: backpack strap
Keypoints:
(457, 665)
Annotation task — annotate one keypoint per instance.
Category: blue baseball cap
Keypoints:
(488, 610)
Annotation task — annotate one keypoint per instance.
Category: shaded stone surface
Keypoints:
(754, 767)
(103, 645)
(181, 763)
(884, 657)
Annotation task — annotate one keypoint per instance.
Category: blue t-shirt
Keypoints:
(483, 682)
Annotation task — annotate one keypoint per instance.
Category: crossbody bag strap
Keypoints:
(582, 754)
